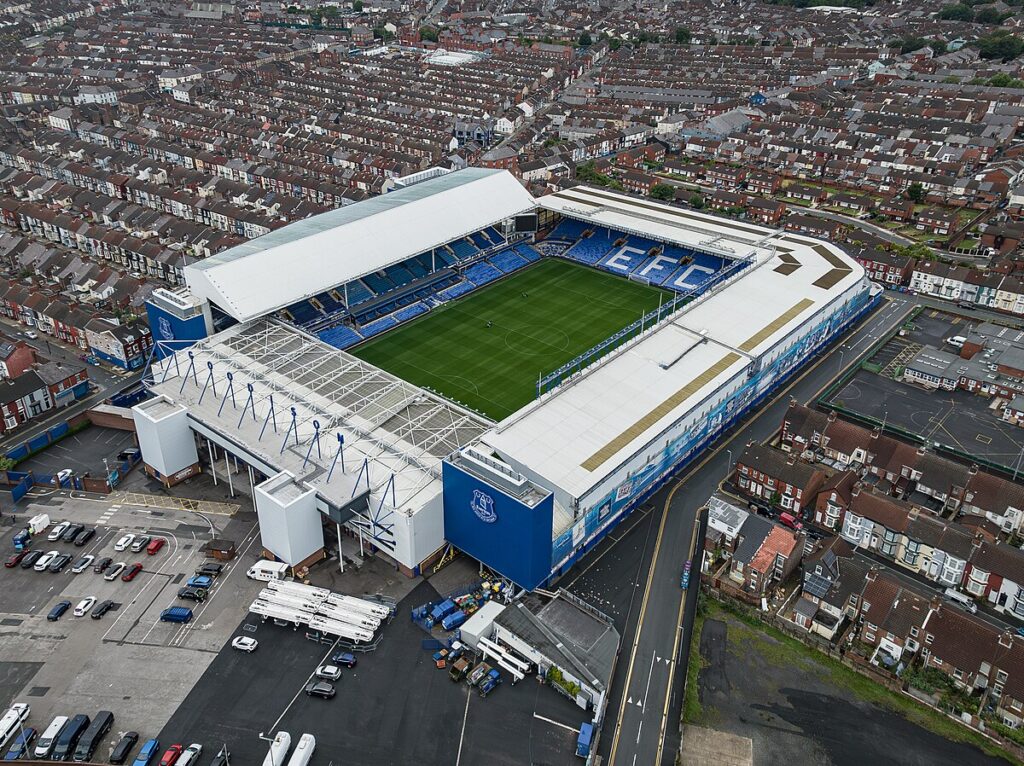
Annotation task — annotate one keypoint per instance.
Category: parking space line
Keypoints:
(323, 661)
(573, 729)
(462, 734)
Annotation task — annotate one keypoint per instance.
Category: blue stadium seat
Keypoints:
(527, 252)
(480, 241)
(377, 327)
(379, 284)
(463, 249)
(416, 268)
(409, 312)
(507, 261)
(494, 236)
(303, 312)
(399, 275)
(568, 229)
(460, 288)
(594, 248)
(482, 273)
(444, 258)
(340, 337)
(622, 259)
(357, 292)
(329, 302)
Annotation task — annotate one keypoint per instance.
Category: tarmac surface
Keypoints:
(82, 452)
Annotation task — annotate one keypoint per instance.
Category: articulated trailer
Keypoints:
(356, 604)
(299, 589)
(346, 616)
(276, 612)
(336, 628)
(288, 600)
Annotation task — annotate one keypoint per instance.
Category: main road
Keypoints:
(642, 721)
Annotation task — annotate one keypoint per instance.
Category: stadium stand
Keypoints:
(463, 249)
(399, 274)
(378, 283)
(446, 257)
(340, 337)
(593, 248)
(378, 326)
(357, 292)
(507, 261)
(568, 229)
(407, 313)
(482, 273)
(456, 290)
(303, 312)
(527, 252)
(623, 259)
(493, 235)
(416, 267)
(329, 302)
(478, 239)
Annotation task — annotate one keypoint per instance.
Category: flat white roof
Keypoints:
(316, 254)
(576, 435)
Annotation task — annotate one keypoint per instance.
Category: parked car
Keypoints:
(14, 559)
(57, 531)
(190, 755)
(71, 533)
(31, 335)
(129, 454)
(102, 608)
(192, 594)
(30, 559)
(84, 606)
(58, 610)
(344, 658)
(147, 753)
(155, 545)
(131, 572)
(114, 571)
(101, 566)
(85, 536)
(244, 643)
(171, 756)
(83, 563)
(321, 689)
(328, 672)
(222, 758)
(123, 747)
(124, 543)
(44, 560)
(200, 581)
(59, 562)
(210, 570)
(63, 475)
(21, 744)
(140, 542)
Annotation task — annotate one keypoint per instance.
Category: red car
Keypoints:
(156, 545)
(14, 559)
(129, 575)
(171, 756)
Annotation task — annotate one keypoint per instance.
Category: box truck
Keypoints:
(265, 571)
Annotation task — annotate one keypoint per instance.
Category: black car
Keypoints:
(58, 609)
(124, 746)
(85, 536)
(60, 562)
(30, 560)
(210, 570)
(192, 594)
(221, 759)
(72, 532)
(129, 454)
(101, 566)
(101, 609)
(320, 689)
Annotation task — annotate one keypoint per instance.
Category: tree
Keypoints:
(614, 44)
(1000, 45)
(988, 15)
(357, 6)
(696, 201)
(959, 12)
(662, 192)
(585, 39)
(683, 35)
(429, 34)
(915, 193)
(919, 251)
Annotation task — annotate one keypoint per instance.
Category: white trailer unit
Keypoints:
(303, 751)
(298, 589)
(287, 600)
(277, 612)
(359, 605)
(278, 749)
(38, 523)
(335, 628)
(351, 618)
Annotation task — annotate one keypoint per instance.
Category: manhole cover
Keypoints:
(157, 513)
(177, 578)
(37, 691)
(187, 547)
(11, 621)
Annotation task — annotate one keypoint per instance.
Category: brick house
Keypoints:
(772, 476)
(766, 554)
(885, 267)
(936, 221)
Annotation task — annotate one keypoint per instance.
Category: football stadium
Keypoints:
(458, 365)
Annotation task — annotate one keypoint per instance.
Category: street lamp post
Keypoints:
(270, 747)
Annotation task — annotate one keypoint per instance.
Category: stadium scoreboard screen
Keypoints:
(526, 224)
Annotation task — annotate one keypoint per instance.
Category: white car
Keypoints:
(330, 672)
(31, 335)
(124, 543)
(44, 560)
(57, 531)
(83, 563)
(114, 571)
(63, 474)
(245, 644)
(84, 606)
(190, 756)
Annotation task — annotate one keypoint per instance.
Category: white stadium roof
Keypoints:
(310, 256)
(580, 433)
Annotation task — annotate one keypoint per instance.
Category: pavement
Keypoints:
(642, 721)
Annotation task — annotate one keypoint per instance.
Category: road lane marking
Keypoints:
(565, 726)
(465, 717)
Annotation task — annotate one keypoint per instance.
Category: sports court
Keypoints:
(487, 350)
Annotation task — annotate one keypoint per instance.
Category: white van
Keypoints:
(46, 742)
(10, 723)
(956, 341)
(962, 600)
(265, 571)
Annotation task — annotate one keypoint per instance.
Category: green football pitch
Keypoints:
(540, 318)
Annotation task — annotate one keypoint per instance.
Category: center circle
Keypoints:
(536, 340)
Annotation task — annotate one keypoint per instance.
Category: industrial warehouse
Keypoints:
(631, 333)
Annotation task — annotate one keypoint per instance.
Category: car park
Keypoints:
(171, 756)
(190, 755)
(210, 570)
(321, 689)
(57, 531)
(344, 658)
(44, 561)
(67, 740)
(140, 542)
(30, 559)
(124, 747)
(83, 563)
(93, 735)
(124, 543)
(58, 610)
(192, 594)
(244, 643)
(155, 545)
(328, 672)
(147, 753)
(59, 562)
(200, 581)
(131, 572)
(222, 758)
(84, 606)
(14, 559)
(101, 566)
(22, 744)
(101, 609)
(114, 571)
(83, 537)
(49, 738)
(71, 533)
